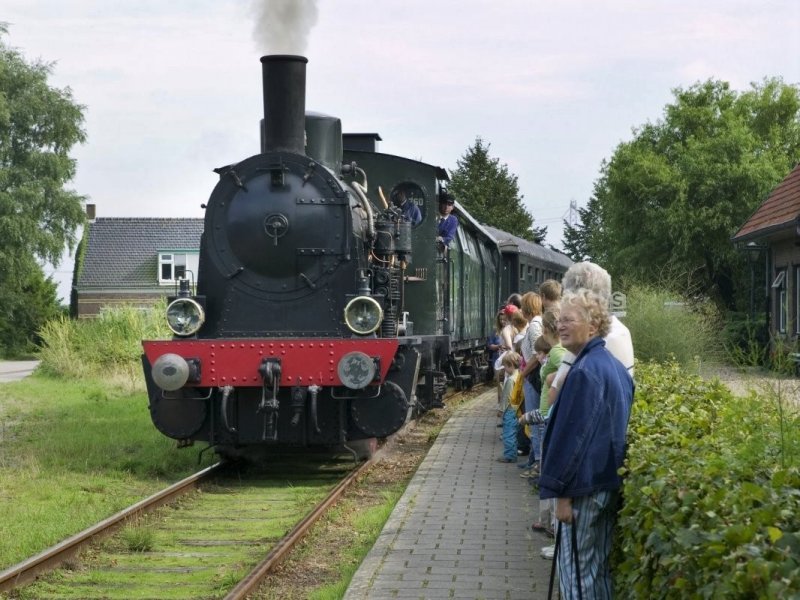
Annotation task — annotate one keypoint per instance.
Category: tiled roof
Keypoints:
(123, 252)
(779, 210)
(536, 250)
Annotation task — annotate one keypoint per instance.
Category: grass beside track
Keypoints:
(73, 453)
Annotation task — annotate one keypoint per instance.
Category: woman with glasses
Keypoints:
(584, 446)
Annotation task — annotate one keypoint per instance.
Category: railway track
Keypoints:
(49, 559)
(204, 547)
(201, 546)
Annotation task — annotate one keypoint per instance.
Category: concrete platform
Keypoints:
(462, 528)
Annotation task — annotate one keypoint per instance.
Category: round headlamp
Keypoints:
(363, 315)
(170, 372)
(185, 316)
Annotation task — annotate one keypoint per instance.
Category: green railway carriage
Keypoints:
(526, 264)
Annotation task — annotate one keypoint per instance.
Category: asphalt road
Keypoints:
(13, 370)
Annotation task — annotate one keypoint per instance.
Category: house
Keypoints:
(771, 237)
(134, 261)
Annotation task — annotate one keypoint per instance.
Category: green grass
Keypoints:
(366, 526)
(72, 453)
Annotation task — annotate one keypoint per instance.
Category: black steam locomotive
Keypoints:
(321, 315)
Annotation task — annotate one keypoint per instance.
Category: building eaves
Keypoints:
(779, 210)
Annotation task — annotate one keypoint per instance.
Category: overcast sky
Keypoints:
(173, 89)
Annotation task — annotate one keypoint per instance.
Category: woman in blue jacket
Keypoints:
(584, 446)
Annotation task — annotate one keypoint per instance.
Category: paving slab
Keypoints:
(462, 527)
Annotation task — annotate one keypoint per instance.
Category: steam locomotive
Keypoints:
(321, 316)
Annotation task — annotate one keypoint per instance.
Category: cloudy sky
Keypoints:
(173, 89)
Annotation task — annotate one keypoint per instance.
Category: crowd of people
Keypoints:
(564, 373)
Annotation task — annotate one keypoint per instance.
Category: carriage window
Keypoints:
(463, 239)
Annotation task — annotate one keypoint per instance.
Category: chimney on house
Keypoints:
(90, 211)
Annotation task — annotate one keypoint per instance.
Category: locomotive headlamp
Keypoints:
(356, 370)
(185, 316)
(170, 372)
(363, 315)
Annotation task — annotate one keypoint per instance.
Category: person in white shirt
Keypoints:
(593, 277)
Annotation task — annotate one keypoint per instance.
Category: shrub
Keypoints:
(108, 346)
(712, 507)
(746, 340)
(665, 326)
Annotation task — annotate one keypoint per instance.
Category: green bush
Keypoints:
(664, 326)
(109, 346)
(712, 507)
(746, 340)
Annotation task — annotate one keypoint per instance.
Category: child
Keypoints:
(535, 419)
(510, 362)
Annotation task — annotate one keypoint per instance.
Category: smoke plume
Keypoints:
(283, 26)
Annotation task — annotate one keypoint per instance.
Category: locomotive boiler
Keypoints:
(291, 335)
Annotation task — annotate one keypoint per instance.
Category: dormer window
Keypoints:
(176, 265)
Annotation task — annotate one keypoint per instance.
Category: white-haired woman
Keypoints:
(584, 446)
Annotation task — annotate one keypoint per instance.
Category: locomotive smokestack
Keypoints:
(284, 103)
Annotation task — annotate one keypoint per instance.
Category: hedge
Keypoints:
(712, 492)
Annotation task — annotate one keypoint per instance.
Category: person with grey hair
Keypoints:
(584, 448)
(590, 276)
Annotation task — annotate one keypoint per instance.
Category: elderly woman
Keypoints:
(584, 446)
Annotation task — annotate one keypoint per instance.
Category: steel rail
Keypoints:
(250, 583)
(49, 559)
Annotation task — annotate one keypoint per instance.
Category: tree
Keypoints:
(39, 125)
(491, 194)
(583, 241)
(672, 197)
(24, 308)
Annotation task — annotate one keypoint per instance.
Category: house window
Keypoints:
(782, 301)
(173, 266)
(797, 300)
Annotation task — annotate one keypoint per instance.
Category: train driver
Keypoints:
(409, 209)
(448, 224)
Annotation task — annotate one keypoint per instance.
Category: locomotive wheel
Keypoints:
(379, 417)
